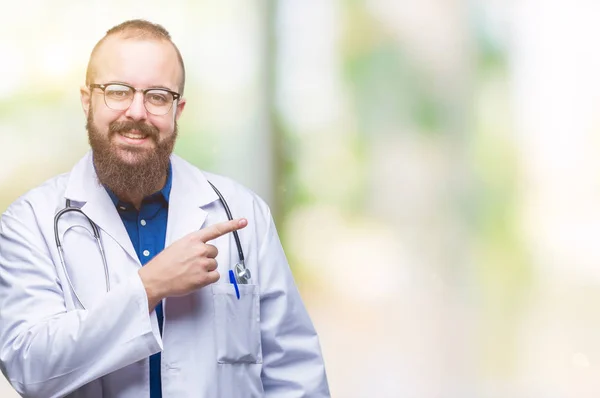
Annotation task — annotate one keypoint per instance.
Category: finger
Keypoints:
(211, 251)
(212, 277)
(220, 229)
(211, 264)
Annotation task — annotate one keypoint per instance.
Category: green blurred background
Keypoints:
(432, 167)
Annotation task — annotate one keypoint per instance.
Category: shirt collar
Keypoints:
(165, 191)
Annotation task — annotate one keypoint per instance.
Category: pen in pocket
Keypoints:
(234, 283)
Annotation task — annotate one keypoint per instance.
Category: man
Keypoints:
(154, 306)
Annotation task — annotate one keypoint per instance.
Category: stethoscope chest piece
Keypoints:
(242, 274)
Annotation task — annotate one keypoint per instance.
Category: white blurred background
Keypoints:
(433, 168)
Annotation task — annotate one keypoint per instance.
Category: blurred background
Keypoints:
(433, 167)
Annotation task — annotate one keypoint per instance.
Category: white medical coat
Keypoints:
(213, 345)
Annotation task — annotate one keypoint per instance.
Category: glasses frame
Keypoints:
(103, 87)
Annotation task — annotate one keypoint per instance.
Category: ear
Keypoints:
(180, 105)
(85, 99)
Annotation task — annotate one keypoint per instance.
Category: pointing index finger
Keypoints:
(220, 229)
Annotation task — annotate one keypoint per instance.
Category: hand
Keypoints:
(186, 265)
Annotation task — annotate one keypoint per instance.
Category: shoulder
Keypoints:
(44, 196)
(35, 208)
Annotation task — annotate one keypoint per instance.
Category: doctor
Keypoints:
(163, 319)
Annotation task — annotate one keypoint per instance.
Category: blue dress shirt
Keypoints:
(147, 229)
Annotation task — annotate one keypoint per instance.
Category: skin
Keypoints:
(142, 64)
(189, 263)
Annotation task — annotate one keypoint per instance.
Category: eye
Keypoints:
(117, 91)
(158, 97)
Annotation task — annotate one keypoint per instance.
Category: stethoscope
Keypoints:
(241, 273)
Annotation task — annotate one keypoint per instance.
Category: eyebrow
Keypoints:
(161, 87)
(147, 88)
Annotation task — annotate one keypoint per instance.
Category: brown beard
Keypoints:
(125, 180)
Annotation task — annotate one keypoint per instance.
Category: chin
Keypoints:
(132, 156)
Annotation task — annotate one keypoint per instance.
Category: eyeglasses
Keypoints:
(119, 97)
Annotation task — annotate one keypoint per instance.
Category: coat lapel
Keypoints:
(83, 187)
(189, 193)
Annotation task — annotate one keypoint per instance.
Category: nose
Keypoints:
(137, 109)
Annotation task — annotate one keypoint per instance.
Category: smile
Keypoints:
(134, 135)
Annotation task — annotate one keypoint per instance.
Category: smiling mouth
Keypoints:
(133, 134)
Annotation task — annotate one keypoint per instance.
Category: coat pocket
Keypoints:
(237, 324)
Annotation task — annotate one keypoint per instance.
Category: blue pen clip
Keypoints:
(233, 281)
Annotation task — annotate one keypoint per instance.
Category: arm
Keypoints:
(45, 350)
(292, 361)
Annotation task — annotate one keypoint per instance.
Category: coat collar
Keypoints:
(190, 192)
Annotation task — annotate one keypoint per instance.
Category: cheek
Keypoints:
(102, 118)
(164, 126)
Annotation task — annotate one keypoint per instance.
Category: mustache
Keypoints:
(122, 127)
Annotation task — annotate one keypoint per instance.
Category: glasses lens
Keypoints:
(118, 97)
(158, 102)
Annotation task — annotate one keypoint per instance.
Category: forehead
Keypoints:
(139, 62)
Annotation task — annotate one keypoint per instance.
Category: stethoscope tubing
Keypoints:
(61, 253)
(241, 270)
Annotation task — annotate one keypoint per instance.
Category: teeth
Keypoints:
(134, 136)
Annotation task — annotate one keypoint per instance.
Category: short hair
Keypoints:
(135, 29)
